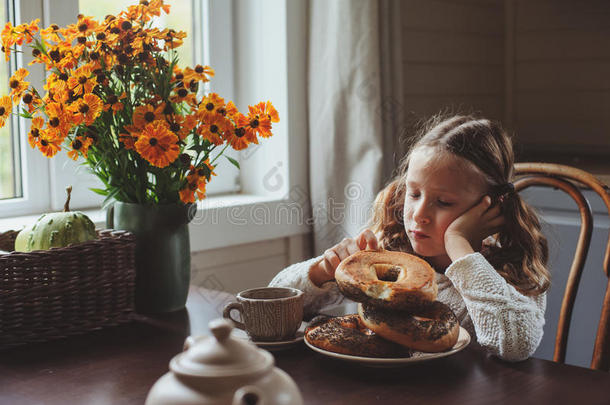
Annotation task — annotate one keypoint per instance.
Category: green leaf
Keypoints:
(99, 191)
(235, 162)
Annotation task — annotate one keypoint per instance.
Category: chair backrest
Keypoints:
(568, 178)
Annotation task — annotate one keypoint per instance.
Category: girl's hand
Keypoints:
(325, 270)
(467, 232)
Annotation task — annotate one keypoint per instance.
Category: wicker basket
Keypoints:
(49, 294)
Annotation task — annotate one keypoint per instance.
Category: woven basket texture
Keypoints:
(50, 294)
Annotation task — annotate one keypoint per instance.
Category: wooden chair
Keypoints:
(566, 178)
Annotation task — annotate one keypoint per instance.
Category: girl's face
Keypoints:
(439, 190)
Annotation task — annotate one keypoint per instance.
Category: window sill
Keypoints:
(221, 221)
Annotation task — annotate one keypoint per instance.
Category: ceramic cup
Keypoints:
(269, 314)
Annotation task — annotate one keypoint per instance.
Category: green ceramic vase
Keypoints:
(163, 256)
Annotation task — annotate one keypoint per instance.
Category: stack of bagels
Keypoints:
(396, 293)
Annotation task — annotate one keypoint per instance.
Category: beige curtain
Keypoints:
(355, 111)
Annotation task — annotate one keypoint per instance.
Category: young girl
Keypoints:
(453, 192)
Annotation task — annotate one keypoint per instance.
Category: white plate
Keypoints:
(462, 342)
(280, 345)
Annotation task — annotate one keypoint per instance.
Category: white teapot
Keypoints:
(222, 370)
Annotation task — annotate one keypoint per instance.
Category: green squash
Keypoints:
(57, 229)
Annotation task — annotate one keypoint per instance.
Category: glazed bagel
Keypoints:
(435, 328)
(348, 335)
(387, 279)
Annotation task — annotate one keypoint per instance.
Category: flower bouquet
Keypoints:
(115, 96)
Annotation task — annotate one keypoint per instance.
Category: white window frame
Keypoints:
(273, 175)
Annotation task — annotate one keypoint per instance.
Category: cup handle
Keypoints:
(226, 313)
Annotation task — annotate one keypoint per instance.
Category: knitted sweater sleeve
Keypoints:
(315, 298)
(506, 322)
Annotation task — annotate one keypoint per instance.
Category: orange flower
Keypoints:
(213, 127)
(145, 114)
(128, 140)
(18, 85)
(6, 107)
(259, 123)
(32, 101)
(81, 145)
(82, 80)
(35, 131)
(157, 144)
(180, 125)
(196, 181)
(212, 103)
(113, 102)
(267, 109)
(86, 25)
(87, 109)
(48, 144)
(57, 122)
(51, 33)
(200, 73)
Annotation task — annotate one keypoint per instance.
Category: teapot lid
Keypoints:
(221, 355)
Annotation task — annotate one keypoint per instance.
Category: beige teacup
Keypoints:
(269, 313)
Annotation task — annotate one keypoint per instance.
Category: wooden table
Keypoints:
(119, 365)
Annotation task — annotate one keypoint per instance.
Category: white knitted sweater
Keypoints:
(505, 322)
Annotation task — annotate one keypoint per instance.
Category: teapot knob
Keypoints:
(221, 328)
(248, 395)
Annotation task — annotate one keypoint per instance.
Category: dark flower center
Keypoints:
(54, 122)
(182, 93)
(94, 56)
(213, 128)
(77, 144)
(179, 76)
(35, 132)
(82, 27)
(36, 52)
(174, 127)
(84, 108)
(149, 116)
(199, 69)
(54, 27)
(2, 110)
(185, 159)
(55, 55)
(28, 98)
(153, 141)
(14, 84)
(239, 132)
(81, 40)
(144, 2)
(82, 79)
(126, 25)
(254, 123)
(63, 76)
(201, 172)
(100, 36)
(221, 111)
(112, 99)
(115, 30)
(44, 142)
(209, 106)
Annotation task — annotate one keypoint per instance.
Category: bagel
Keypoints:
(387, 279)
(348, 335)
(434, 328)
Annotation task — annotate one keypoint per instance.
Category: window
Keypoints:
(31, 183)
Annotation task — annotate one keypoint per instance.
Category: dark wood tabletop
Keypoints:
(118, 365)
